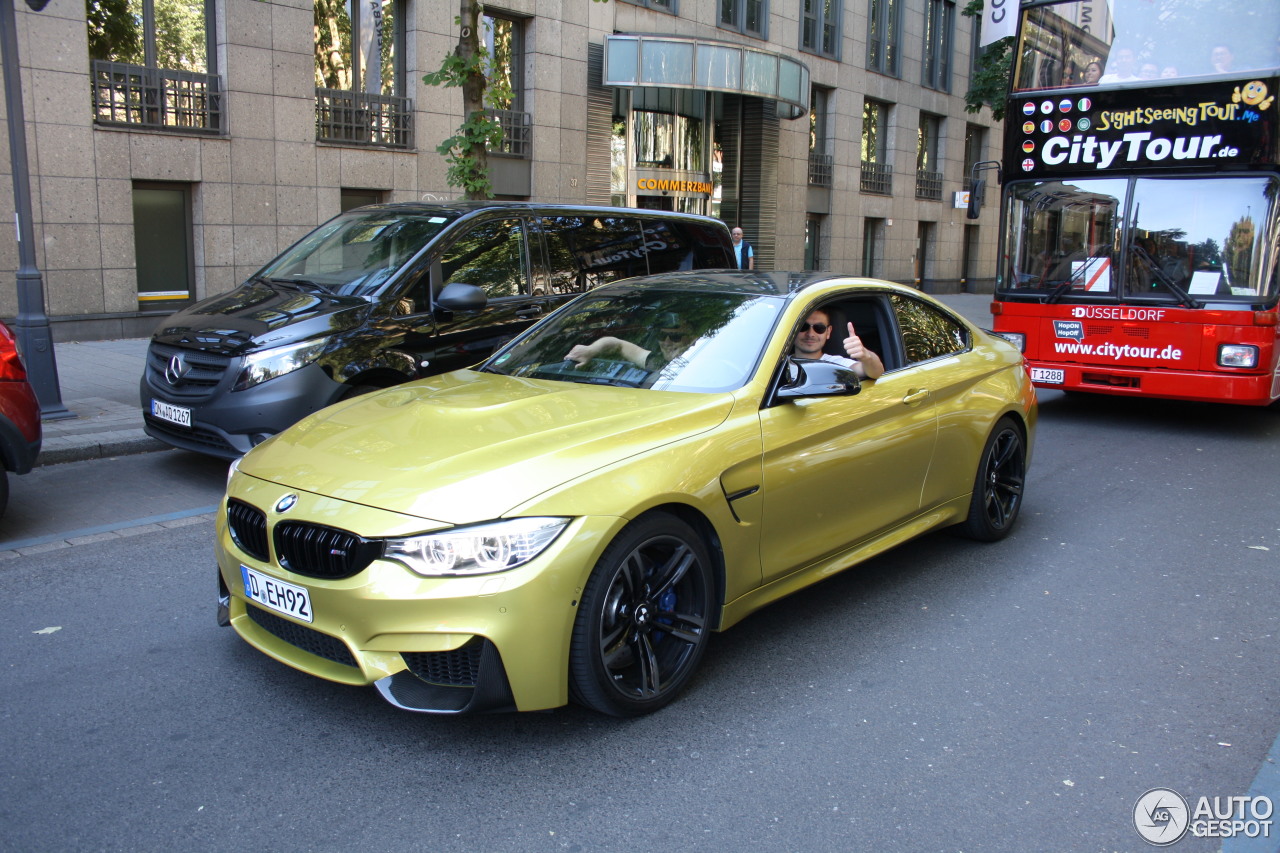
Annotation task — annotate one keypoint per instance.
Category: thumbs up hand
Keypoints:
(853, 345)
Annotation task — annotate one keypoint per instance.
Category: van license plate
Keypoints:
(281, 597)
(179, 415)
(1048, 376)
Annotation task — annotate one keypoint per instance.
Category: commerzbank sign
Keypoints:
(1213, 124)
(655, 182)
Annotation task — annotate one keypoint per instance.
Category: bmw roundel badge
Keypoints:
(286, 503)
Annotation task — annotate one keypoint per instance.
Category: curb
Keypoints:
(57, 450)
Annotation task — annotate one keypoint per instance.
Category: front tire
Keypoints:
(644, 620)
(997, 489)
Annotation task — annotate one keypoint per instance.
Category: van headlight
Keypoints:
(277, 361)
(1237, 355)
(495, 546)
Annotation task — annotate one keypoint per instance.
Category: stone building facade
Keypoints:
(834, 149)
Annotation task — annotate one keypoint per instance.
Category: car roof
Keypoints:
(461, 208)
(753, 282)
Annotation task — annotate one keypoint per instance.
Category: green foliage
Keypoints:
(114, 35)
(332, 27)
(116, 32)
(989, 85)
(180, 35)
(486, 83)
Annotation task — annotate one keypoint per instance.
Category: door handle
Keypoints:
(531, 311)
(916, 397)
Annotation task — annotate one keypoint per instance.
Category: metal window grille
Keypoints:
(156, 98)
(877, 178)
(359, 118)
(821, 167)
(929, 185)
(517, 133)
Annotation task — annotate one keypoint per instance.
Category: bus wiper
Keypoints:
(1184, 298)
(1057, 292)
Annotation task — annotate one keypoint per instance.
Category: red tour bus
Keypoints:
(1141, 198)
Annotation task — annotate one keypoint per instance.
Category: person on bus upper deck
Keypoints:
(1092, 73)
(1222, 60)
(1149, 71)
(1124, 66)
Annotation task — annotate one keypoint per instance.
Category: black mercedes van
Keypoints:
(384, 294)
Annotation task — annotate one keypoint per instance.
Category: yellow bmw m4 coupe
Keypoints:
(570, 519)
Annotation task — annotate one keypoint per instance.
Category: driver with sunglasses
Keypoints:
(813, 335)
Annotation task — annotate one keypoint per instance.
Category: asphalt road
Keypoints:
(946, 696)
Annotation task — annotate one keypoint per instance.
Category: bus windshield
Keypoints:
(1179, 239)
(1092, 42)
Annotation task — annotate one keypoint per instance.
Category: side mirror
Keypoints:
(459, 296)
(803, 377)
(976, 189)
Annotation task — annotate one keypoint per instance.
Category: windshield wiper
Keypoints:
(301, 284)
(1183, 297)
(1056, 293)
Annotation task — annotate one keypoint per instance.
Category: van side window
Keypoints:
(492, 256)
(679, 245)
(584, 251)
(926, 332)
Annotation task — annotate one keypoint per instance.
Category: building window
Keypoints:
(163, 244)
(504, 39)
(359, 64)
(877, 174)
(884, 29)
(745, 16)
(821, 166)
(924, 242)
(151, 65)
(928, 161)
(820, 27)
(939, 34)
(351, 198)
(658, 5)
(813, 243)
(872, 237)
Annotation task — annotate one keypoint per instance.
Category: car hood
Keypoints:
(257, 315)
(469, 446)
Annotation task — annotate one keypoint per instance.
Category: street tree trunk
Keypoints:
(473, 86)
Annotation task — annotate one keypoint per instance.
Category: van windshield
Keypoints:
(356, 253)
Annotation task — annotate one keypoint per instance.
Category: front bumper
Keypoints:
(230, 423)
(439, 645)
(1250, 389)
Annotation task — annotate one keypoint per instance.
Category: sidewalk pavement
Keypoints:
(99, 382)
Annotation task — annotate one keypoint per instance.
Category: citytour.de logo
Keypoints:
(1162, 817)
(1209, 125)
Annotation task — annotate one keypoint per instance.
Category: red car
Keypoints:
(19, 415)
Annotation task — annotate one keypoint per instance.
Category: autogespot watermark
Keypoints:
(1162, 817)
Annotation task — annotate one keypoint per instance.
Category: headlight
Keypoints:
(270, 363)
(1237, 355)
(1018, 339)
(484, 548)
(233, 468)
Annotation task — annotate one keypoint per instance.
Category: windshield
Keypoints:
(1187, 240)
(1140, 42)
(357, 252)
(673, 340)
